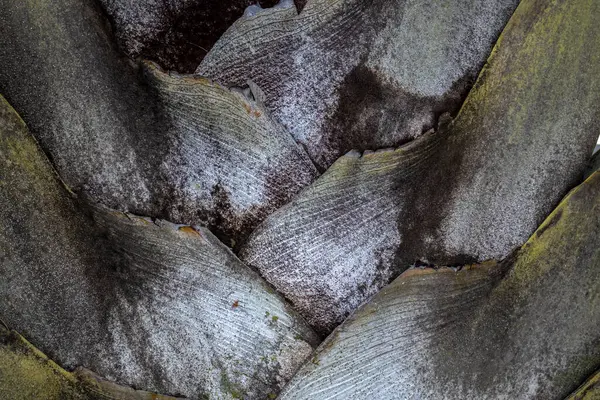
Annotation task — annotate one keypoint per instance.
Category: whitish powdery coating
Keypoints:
(175, 147)
(526, 328)
(359, 74)
(150, 304)
(472, 191)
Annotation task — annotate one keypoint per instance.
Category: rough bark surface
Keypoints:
(146, 303)
(175, 33)
(26, 373)
(474, 190)
(245, 155)
(526, 328)
(359, 74)
(179, 148)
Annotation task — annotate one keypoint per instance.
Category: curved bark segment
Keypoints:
(26, 373)
(526, 328)
(175, 33)
(150, 304)
(590, 390)
(231, 164)
(334, 245)
(178, 148)
(357, 74)
(472, 191)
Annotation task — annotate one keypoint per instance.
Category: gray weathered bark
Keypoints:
(172, 147)
(473, 190)
(382, 70)
(158, 306)
(117, 245)
(26, 373)
(523, 328)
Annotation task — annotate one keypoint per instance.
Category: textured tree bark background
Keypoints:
(349, 199)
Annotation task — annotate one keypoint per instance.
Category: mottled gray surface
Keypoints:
(140, 24)
(526, 328)
(175, 33)
(177, 148)
(28, 374)
(472, 191)
(150, 304)
(358, 74)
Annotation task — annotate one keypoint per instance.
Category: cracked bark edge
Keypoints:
(141, 301)
(593, 165)
(137, 139)
(522, 328)
(176, 34)
(589, 390)
(472, 191)
(27, 373)
(405, 65)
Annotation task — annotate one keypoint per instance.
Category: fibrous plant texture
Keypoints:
(349, 199)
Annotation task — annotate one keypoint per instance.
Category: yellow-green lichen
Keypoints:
(26, 373)
(590, 390)
(540, 49)
(568, 220)
(230, 387)
(19, 151)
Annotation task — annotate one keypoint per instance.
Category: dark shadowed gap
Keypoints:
(182, 37)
